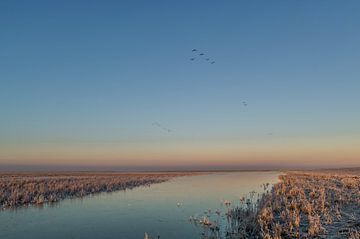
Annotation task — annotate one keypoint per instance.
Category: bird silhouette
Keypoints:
(201, 54)
(158, 125)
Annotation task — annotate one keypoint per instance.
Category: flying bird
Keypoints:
(157, 124)
(197, 55)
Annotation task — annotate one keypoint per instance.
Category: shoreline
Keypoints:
(304, 204)
(28, 188)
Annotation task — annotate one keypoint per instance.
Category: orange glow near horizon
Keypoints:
(295, 153)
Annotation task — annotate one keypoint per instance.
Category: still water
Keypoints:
(161, 209)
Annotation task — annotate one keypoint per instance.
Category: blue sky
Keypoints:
(82, 75)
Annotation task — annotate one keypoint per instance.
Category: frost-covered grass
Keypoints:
(19, 189)
(312, 204)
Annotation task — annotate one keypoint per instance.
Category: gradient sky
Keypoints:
(81, 83)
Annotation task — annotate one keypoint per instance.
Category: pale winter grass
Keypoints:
(19, 189)
(323, 204)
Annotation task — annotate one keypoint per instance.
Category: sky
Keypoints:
(96, 84)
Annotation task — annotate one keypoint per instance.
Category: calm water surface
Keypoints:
(128, 214)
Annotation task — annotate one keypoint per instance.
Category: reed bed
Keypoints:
(20, 189)
(302, 205)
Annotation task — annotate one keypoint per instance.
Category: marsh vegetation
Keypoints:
(302, 204)
(322, 204)
(20, 189)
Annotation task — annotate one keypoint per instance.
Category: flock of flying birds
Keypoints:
(201, 56)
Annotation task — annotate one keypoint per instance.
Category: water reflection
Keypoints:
(160, 210)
